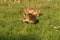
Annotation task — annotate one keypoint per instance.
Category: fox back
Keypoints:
(31, 11)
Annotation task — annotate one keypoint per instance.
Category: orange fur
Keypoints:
(30, 19)
(31, 11)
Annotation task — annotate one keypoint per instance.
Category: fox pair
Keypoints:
(29, 15)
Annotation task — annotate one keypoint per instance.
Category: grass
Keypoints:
(13, 29)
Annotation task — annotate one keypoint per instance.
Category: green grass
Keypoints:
(13, 29)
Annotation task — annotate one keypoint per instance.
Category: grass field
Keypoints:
(48, 27)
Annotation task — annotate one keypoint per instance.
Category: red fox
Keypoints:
(31, 11)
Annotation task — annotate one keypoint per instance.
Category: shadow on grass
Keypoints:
(40, 14)
(36, 21)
